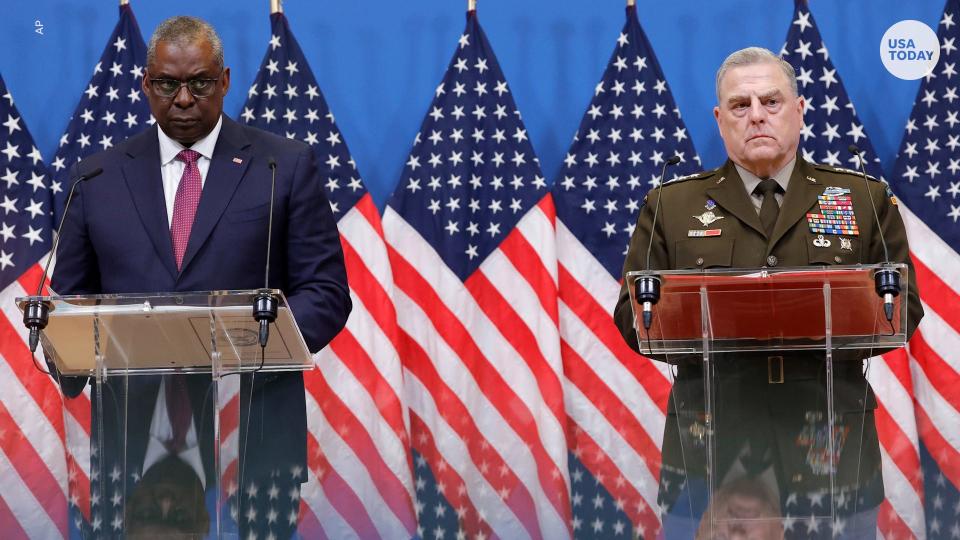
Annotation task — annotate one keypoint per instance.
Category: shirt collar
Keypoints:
(782, 176)
(169, 148)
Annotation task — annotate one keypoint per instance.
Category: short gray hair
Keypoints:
(756, 55)
(182, 30)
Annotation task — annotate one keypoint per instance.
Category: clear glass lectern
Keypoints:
(770, 426)
(164, 454)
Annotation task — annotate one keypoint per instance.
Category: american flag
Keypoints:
(470, 232)
(830, 126)
(830, 121)
(359, 479)
(111, 108)
(926, 179)
(33, 461)
(58, 453)
(615, 398)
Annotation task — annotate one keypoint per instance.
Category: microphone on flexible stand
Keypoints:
(886, 280)
(265, 303)
(647, 288)
(36, 314)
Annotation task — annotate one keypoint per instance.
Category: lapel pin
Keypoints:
(722, 178)
(821, 241)
(237, 160)
(812, 179)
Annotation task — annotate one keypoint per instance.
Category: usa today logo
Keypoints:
(909, 50)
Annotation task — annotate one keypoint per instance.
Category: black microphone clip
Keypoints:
(265, 312)
(647, 291)
(887, 283)
(36, 315)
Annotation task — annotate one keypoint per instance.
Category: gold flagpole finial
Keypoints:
(124, 2)
(631, 3)
(471, 5)
(276, 6)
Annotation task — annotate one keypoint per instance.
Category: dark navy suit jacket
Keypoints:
(116, 239)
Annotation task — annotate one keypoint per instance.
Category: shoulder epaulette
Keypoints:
(841, 170)
(695, 176)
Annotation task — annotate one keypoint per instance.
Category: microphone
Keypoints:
(886, 280)
(265, 304)
(648, 287)
(36, 314)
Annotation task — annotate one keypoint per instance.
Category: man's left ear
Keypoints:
(226, 80)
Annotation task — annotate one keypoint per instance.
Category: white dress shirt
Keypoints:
(171, 168)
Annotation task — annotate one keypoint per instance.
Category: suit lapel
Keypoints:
(142, 175)
(800, 197)
(222, 179)
(732, 197)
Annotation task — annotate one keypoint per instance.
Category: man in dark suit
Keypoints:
(184, 206)
(759, 210)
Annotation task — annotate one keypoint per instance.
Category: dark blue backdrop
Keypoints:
(379, 62)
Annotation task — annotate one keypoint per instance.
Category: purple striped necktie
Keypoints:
(185, 204)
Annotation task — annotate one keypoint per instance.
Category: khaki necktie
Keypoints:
(769, 209)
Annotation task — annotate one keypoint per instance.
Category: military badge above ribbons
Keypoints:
(835, 215)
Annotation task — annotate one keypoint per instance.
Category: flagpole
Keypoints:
(276, 7)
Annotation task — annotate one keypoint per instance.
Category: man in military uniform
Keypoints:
(768, 207)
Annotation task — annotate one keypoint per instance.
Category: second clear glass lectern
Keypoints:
(164, 456)
(769, 426)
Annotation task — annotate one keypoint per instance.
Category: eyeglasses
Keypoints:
(198, 88)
